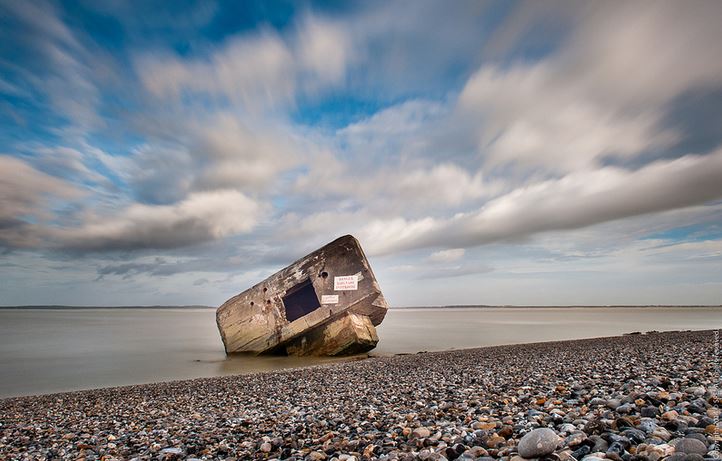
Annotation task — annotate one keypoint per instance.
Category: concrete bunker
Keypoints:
(326, 303)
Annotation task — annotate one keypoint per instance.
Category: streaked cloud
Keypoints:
(28, 198)
(446, 256)
(574, 201)
(205, 146)
(259, 70)
(201, 217)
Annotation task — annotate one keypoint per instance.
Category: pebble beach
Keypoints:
(641, 397)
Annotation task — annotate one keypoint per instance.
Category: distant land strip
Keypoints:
(572, 306)
(105, 307)
(452, 306)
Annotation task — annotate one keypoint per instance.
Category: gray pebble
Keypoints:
(538, 443)
(690, 446)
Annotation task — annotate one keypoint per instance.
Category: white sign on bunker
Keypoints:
(345, 282)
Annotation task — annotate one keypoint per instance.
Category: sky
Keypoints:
(483, 152)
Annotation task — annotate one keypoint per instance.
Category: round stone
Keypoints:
(600, 445)
(568, 428)
(624, 409)
(421, 432)
(699, 437)
(676, 457)
(582, 451)
(538, 443)
(662, 433)
(575, 439)
(616, 447)
(696, 409)
(649, 412)
(648, 425)
(690, 446)
(693, 457)
(634, 435)
(171, 453)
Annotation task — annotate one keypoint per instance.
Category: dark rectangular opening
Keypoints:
(300, 300)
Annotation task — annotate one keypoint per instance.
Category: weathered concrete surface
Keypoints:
(326, 303)
(350, 334)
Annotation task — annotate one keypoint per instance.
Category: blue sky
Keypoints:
(539, 152)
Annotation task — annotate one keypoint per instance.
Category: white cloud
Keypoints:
(66, 76)
(403, 132)
(640, 54)
(444, 184)
(65, 162)
(391, 163)
(26, 191)
(401, 119)
(202, 217)
(528, 116)
(239, 156)
(395, 189)
(256, 71)
(260, 71)
(447, 256)
(602, 94)
(27, 197)
(323, 49)
(398, 234)
(214, 151)
(577, 200)
(688, 251)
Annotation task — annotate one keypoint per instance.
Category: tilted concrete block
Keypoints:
(326, 303)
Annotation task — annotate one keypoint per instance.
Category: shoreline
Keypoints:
(46, 351)
(465, 404)
(450, 306)
(331, 361)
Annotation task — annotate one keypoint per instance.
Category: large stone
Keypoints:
(326, 303)
(690, 446)
(538, 443)
(421, 432)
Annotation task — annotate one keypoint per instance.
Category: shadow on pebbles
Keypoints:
(648, 397)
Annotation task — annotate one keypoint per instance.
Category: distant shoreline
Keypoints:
(613, 306)
(61, 307)
(460, 306)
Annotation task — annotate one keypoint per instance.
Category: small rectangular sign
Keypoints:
(329, 299)
(345, 282)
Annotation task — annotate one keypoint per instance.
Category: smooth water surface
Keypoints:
(53, 350)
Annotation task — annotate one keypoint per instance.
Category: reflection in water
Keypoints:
(57, 350)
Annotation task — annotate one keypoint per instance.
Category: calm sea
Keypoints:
(44, 350)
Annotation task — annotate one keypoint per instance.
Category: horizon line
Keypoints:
(445, 306)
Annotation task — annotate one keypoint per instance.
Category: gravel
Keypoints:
(477, 404)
